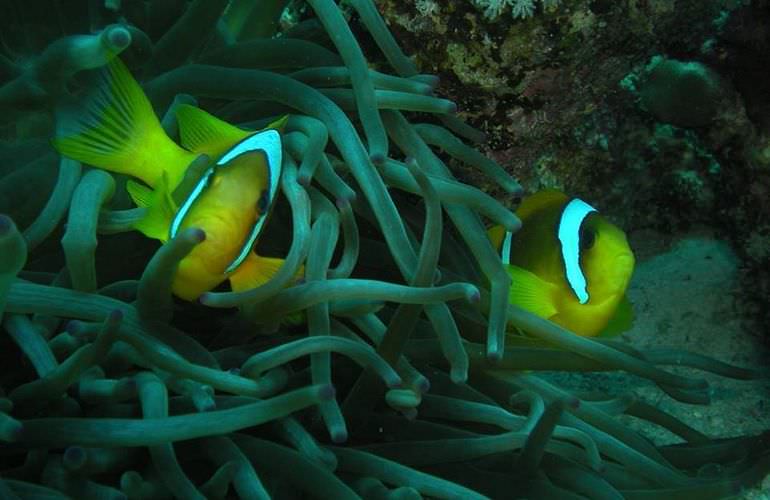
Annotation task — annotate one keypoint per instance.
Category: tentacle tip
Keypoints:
(129, 478)
(304, 180)
(474, 296)
(377, 158)
(494, 355)
(345, 200)
(116, 315)
(338, 436)
(459, 376)
(328, 459)
(199, 235)
(327, 392)
(422, 385)
(451, 108)
(572, 402)
(393, 382)
(208, 405)
(73, 326)
(204, 299)
(17, 434)
(6, 223)
(514, 225)
(74, 455)
(234, 371)
(119, 37)
(410, 413)
(432, 81)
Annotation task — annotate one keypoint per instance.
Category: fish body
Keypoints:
(229, 197)
(568, 264)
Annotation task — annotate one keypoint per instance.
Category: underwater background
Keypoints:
(384, 354)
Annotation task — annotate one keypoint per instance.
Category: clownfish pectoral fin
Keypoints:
(621, 321)
(255, 271)
(203, 133)
(141, 195)
(532, 293)
(160, 208)
(117, 130)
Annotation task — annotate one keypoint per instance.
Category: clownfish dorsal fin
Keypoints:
(279, 124)
(160, 208)
(531, 293)
(203, 133)
(539, 201)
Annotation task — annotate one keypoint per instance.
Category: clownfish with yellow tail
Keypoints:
(229, 197)
(568, 264)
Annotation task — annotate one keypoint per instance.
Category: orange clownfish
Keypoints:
(568, 264)
(230, 199)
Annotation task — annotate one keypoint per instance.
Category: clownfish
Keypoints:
(568, 264)
(229, 197)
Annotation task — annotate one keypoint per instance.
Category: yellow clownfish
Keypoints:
(229, 199)
(568, 264)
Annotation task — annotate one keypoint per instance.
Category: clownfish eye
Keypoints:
(587, 238)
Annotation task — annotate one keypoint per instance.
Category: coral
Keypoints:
(493, 9)
(386, 371)
(683, 93)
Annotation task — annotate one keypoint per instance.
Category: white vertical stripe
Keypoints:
(572, 217)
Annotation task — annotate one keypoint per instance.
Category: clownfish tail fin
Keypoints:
(117, 130)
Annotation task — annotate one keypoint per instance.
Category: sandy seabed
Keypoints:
(685, 294)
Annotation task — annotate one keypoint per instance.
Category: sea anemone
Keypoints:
(253, 394)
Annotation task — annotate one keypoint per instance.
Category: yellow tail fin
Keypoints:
(118, 131)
